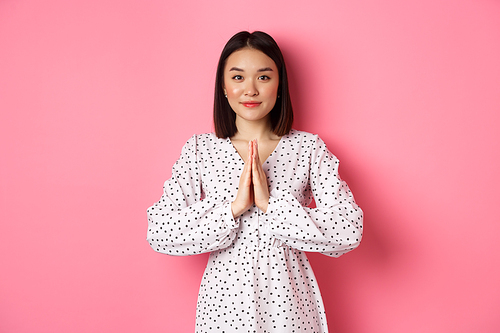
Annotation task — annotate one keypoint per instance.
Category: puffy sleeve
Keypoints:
(183, 222)
(334, 227)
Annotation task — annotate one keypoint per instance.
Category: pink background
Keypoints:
(97, 98)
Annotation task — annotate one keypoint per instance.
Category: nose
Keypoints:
(251, 89)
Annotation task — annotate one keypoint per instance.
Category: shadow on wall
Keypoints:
(339, 279)
(348, 275)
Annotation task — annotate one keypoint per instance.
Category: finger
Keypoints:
(256, 151)
(250, 150)
(247, 173)
(258, 165)
(259, 179)
(255, 171)
(250, 159)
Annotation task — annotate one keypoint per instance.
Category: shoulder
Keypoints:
(203, 137)
(309, 142)
(207, 138)
(204, 141)
(307, 138)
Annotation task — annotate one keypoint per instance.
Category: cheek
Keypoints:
(232, 94)
(232, 89)
(272, 91)
(274, 86)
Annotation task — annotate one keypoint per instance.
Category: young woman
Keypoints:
(242, 194)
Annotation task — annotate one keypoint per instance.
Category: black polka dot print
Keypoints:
(258, 278)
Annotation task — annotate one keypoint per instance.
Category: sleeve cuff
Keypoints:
(227, 214)
(273, 207)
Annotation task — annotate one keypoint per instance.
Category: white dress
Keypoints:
(258, 278)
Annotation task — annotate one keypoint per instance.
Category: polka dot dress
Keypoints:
(258, 278)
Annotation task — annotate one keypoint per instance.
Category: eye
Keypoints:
(238, 77)
(264, 78)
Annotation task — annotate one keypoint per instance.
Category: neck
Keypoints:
(249, 130)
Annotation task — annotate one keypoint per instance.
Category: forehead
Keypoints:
(249, 59)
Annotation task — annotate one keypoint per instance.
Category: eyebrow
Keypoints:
(265, 69)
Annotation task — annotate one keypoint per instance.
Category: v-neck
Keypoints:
(268, 157)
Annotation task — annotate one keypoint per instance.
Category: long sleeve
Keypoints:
(183, 222)
(334, 227)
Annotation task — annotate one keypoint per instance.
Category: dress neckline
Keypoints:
(235, 151)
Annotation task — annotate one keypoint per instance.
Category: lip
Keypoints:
(250, 104)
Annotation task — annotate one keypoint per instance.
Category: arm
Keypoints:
(334, 227)
(184, 223)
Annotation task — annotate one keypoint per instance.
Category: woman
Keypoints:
(242, 194)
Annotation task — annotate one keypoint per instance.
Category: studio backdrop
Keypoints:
(98, 97)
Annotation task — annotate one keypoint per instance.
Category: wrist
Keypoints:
(237, 211)
(263, 206)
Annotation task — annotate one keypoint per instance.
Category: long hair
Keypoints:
(281, 115)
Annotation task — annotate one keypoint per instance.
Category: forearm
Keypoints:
(333, 230)
(202, 227)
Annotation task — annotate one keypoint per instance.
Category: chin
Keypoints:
(252, 116)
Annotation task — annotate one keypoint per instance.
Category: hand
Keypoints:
(259, 180)
(253, 186)
(244, 197)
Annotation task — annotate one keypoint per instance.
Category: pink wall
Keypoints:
(97, 98)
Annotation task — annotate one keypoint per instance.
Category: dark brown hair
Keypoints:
(281, 114)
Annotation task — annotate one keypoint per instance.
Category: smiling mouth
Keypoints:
(250, 104)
